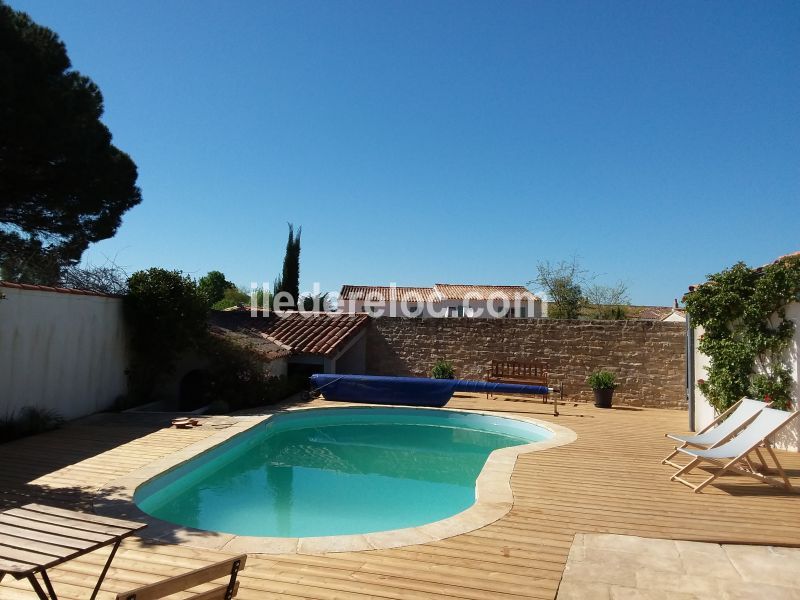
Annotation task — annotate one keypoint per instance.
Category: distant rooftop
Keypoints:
(386, 293)
(439, 292)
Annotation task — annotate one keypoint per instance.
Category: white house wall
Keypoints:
(63, 352)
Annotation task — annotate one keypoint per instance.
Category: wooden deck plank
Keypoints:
(609, 480)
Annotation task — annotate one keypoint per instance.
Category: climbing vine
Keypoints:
(746, 333)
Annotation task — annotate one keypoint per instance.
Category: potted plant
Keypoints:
(603, 384)
(443, 370)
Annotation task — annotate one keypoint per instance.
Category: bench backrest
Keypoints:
(229, 567)
(514, 369)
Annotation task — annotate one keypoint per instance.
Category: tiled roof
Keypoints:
(440, 291)
(451, 291)
(784, 257)
(314, 333)
(650, 313)
(291, 332)
(239, 328)
(383, 294)
(59, 290)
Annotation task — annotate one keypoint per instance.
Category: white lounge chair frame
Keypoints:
(731, 455)
(720, 430)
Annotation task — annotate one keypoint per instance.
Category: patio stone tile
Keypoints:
(766, 564)
(635, 568)
(582, 590)
(632, 544)
(704, 586)
(743, 590)
(626, 593)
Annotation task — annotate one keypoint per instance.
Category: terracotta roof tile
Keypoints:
(321, 333)
(440, 291)
(451, 291)
(650, 313)
(239, 328)
(385, 293)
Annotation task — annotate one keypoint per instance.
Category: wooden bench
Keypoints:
(226, 568)
(517, 371)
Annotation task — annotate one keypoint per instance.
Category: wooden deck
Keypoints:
(609, 480)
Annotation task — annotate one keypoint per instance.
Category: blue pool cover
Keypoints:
(411, 391)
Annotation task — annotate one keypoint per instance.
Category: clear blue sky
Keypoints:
(433, 141)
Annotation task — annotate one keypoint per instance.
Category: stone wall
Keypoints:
(648, 357)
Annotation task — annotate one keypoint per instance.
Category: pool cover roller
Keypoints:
(411, 391)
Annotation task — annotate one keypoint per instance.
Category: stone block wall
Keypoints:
(648, 357)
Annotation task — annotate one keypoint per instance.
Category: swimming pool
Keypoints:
(335, 471)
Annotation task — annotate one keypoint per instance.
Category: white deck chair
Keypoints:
(720, 430)
(733, 455)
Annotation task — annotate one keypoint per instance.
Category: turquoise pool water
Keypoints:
(335, 471)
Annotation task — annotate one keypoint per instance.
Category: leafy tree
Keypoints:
(165, 316)
(317, 302)
(562, 283)
(231, 297)
(289, 281)
(63, 184)
(212, 287)
(607, 302)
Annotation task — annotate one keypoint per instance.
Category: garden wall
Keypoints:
(648, 357)
(60, 350)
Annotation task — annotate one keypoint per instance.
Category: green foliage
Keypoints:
(746, 334)
(443, 370)
(562, 284)
(165, 317)
(602, 380)
(567, 300)
(212, 287)
(607, 302)
(238, 379)
(232, 297)
(289, 281)
(28, 421)
(319, 302)
(571, 296)
(63, 184)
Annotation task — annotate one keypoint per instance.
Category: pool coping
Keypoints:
(494, 497)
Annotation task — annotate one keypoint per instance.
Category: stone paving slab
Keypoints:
(621, 567)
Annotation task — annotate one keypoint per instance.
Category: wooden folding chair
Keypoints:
(734, 455)
(720, 430)
(226, 568)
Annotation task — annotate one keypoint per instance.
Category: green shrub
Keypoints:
(165, 316)
(746, 333)
(239, 378)
(602, 380)
(443, 370)
(232, 297)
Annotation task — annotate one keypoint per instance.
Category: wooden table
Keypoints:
(35, 537)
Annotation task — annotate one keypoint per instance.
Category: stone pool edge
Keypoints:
(494, 497)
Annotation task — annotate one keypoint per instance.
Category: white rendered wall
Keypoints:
(64, 352)
(789, 439)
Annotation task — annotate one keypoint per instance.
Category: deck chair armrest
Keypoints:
(155, 591)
